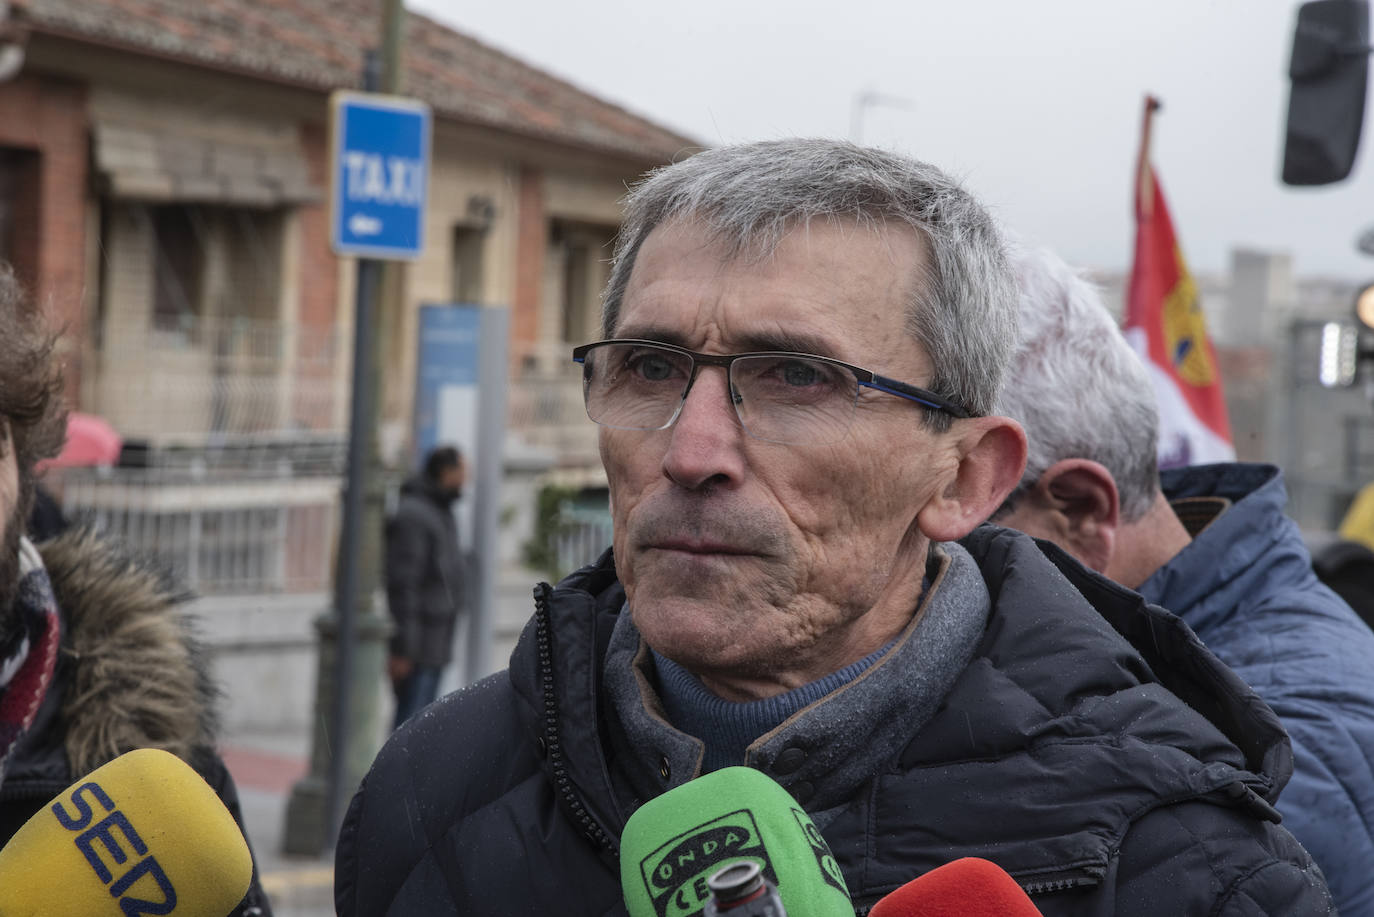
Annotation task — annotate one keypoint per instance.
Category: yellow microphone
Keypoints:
(144, 834)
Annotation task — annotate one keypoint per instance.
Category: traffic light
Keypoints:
(1328, 72)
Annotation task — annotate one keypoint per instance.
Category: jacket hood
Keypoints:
(138, 678)
(421, 487)
(418, 485)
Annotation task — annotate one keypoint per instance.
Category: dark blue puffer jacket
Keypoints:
(1093, 748)
(1246, 587)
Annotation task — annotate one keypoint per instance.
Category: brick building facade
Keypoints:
(163, 171)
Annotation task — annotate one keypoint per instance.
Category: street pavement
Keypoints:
(266, 764)
(265, 767)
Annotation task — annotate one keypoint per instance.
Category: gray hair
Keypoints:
(1080, 391)
(750, 196)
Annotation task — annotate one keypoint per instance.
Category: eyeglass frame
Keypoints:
(864, 377)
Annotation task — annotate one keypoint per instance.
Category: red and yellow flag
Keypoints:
(1165, 325)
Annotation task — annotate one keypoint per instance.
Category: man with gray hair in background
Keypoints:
(804, 345)
(1210, 543)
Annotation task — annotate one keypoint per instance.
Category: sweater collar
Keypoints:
(825, 751)
(729, 727)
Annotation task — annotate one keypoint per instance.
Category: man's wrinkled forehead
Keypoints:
(785, 340)
(757, 251)
(757, 241)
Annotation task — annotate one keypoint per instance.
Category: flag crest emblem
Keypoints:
(1185, 330)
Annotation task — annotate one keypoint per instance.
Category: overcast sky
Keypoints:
(1036, 105)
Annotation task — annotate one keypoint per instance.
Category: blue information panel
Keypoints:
(379, 175)
(448, 411)
(446, 378)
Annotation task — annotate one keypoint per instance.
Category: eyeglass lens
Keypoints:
(780, 398)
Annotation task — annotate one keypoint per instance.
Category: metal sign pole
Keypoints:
(350, 554)
(379, 177)
(491, 437)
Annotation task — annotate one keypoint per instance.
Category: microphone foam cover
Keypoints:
(970, 887)
(143, 834)
(673, 843)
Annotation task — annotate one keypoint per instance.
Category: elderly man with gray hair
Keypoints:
(1210, 543)
(804, 342)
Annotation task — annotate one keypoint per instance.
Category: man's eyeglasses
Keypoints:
(779, 397)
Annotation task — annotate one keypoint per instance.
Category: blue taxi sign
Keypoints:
(379, 175)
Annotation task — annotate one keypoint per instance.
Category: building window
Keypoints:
(178, 265)
(19, 180)
(468, 243)
(9, 183)
(583, 256)
(578, 300)
(213, 265)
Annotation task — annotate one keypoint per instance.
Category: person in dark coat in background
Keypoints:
(426, 582)
(96, 654)
(799, 584)
(1209, 543)
(1348, 568)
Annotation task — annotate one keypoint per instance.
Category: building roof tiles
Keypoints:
(320, 44)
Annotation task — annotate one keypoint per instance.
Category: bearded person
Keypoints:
(96, 657)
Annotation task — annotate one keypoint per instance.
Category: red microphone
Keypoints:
(965, 888)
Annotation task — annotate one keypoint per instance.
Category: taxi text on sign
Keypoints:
(379, 175)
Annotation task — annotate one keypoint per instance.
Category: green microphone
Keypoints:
(673, 844)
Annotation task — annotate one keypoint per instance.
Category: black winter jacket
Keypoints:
(426, 587)
(129, 675)
(1126, 776)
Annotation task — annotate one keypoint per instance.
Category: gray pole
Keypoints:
(352, 634)
(491, 436)
(393, 22)
(865, 99)
(346, 578)
(360, 563)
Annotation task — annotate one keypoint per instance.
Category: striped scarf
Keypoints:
(26, 673)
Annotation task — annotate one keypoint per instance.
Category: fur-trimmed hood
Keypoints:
(135, 675)
(130, 674)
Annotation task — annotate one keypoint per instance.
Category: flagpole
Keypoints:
(1165, 325)
(1144, 177)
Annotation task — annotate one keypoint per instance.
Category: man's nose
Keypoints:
(706, 442)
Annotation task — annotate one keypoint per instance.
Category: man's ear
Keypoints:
(1084, 496)
(991, 454)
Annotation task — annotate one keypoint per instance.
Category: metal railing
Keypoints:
(217, 531)
(237, 492)
(208, 379)
(582, 535)
(546, 409)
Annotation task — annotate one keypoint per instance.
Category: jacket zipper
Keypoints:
(553, 745)
(11, 791)
(592, 830)
(1080, 878)
(1061, 882)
